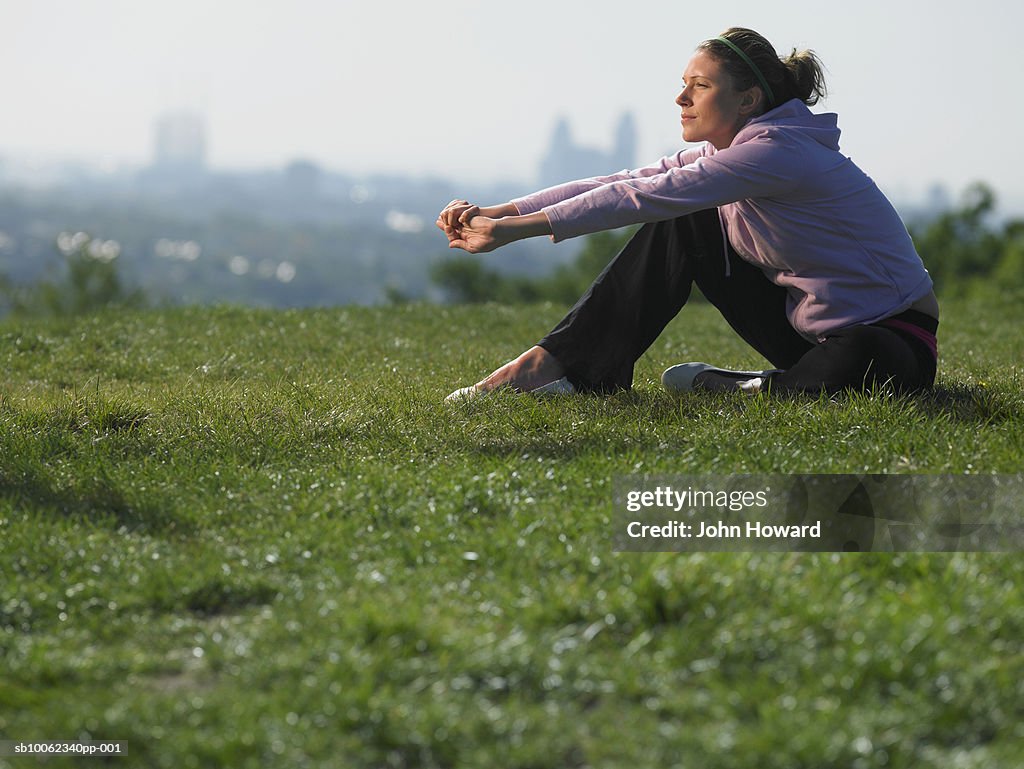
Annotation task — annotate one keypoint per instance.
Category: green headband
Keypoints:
(753, 68)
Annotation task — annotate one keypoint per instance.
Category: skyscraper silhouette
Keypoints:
(180, 143)
(565, 160)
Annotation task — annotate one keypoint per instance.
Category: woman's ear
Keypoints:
(752, 101)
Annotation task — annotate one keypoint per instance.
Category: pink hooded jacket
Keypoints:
(789, 202)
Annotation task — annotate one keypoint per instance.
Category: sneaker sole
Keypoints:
(679, 379)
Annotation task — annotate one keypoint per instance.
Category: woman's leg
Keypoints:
(645, 286)
(532, 369)
(610, 326)
(598, 342)
(859, 358)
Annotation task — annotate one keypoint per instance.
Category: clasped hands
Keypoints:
(478, 230)
(471, 228)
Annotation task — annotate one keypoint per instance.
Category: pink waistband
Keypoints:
(929, 339)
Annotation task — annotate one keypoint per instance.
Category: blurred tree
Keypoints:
(1009, 270)
(466, 279)
(90, 282)
(962, 247)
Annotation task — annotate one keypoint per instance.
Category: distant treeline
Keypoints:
(465, 279)
(965, 249)
(367, 254)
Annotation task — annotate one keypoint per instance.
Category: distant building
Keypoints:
(565, 160)
(303, 179)
(179, 144)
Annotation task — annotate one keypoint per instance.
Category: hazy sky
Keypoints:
(925, 91)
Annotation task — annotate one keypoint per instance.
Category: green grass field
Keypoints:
(248, 538)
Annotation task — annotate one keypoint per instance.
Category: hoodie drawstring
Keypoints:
(725, 243)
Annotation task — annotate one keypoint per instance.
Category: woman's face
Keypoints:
(712, 109)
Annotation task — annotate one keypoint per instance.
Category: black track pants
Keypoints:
(645, 286)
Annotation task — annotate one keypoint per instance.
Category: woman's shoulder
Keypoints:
(793, 123)
(790, 142)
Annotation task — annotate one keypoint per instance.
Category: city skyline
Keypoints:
(466, 94)
(179, 140)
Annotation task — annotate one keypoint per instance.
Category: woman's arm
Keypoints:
(560, 192)
(478, 234)
(766, 166)
(498, 225)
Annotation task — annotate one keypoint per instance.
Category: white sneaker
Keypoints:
(465, 394)
(681, 378)
(559, 387)
(751, 386)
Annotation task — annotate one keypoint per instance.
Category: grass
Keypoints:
(250, 538)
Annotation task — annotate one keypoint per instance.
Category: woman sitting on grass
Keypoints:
(796, 247)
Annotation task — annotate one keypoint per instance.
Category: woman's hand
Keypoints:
(448, 219)
(477, 234)
(459, 211)
(479, 230)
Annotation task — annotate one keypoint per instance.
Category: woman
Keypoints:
(796, 247)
